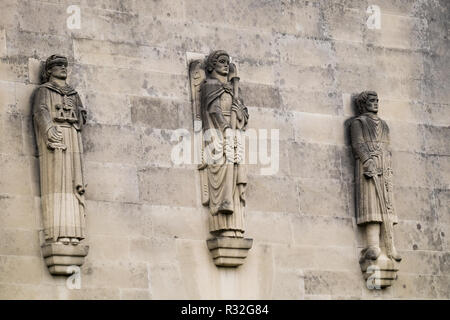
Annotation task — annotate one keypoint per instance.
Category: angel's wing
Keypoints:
(196, 77)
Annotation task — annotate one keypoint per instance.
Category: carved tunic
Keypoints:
(370, 139)
(61, 171)
(226, 181)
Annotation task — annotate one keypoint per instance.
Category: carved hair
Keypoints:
(212, 59)
(361, 99)
(51, 61)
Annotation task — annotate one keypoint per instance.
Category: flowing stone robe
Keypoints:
(370, 139)
(226, 198)
(61, 170)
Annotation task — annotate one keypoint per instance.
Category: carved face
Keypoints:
(372, 104)
(59, 71)
(222, 65)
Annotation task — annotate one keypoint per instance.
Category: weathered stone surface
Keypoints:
(115, 274)
(166, 282)
(333, 283)
(135, 294)
(417, 235)
(272, 227)
(345, 23)
(178, 222)
(163, 186)
(398, 32)
(299, 62)
(415, 203)
(152, 250)
(114, 144)
(17, 212)
(289, 284)
(155, 113)
(112, 182)
(21, 269)
(308, 160)
(2, 43)
(339, 231)
(423, 262)
(307, 257)
(442, 205)
(311, 193)
(310, 102)
(317, 128)
(415, 286)
(284, 190)
(109, 109)
(19, 242)
(124, 219)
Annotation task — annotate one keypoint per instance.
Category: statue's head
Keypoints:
(218, 61)
(55, 66)
(367, 101)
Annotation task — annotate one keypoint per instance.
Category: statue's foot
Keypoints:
(372, 253)
(395, 255)
(74, 241)
(65, 241)
(228, 233)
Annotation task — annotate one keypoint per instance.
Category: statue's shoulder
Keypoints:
(210, 84)
(358, 119)
(66, 90)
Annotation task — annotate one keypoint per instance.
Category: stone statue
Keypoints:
(221, 116)
(373, 180)
(58, 118)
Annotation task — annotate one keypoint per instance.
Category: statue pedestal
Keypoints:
(60, 257)
(379, 273)
(228, 251)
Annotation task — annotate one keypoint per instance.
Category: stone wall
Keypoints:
(300, 62)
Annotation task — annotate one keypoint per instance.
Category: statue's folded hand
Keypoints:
(369, 168)
(54, 134)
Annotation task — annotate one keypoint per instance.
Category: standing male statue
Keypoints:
(223, 116)
(58, 117)
(373, 178)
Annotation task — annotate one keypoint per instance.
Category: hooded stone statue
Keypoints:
(58, 118)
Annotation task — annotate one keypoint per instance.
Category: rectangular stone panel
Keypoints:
(107, 108)
(415, 286)
(417, 235)
(313, 192)
(114, 274)
(317, 128)
(115, 144)
(334, 283)
(282, 190)
(163, 186)
(320, 102)
(339, 231)
(271, 227)
(124, 219)
(152, 250)
(111, 182)
(309, 160)
(129, 56)
(316, 258)
(179, 222)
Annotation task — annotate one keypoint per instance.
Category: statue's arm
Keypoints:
(41, 111)
(217, 116)
(82, 112)
(359, 146)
